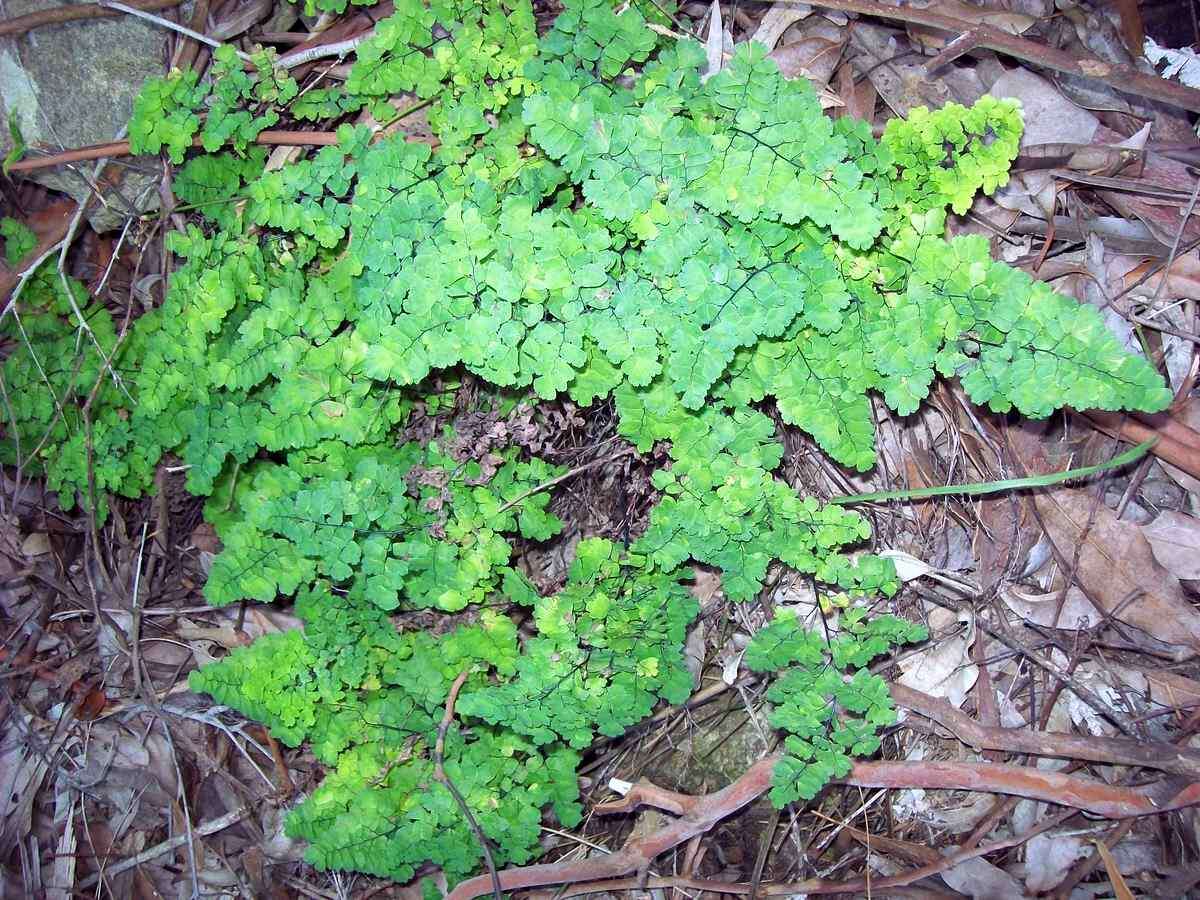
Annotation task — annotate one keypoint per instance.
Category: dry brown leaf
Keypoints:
(813, 58)
(1162, 216)
(1048, 858)
(1182, 279)
(1118, 570)
(776, 21)
(36, 544)
(1189, 415)
(934, 39)
(860, 98)
(1175, 539)
(943, 667)
(978, 878)
(1003, 538)
(1050, 118)
(1043, 610)
(1165, 688)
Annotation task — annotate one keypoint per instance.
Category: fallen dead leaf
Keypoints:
(1050, 118)
(1118, 570)
(36, 544)
(860, 97)
(1042, 609)
(1048, 858)
(1166, 689)
(980, 880)
(813, 58)
(715, 45)
(1004, 537)
(1175, 540)
(943, 668)
(1161, 215)
(776, 21)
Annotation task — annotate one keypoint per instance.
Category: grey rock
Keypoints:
(73, 84)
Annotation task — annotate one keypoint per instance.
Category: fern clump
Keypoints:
(597, 221)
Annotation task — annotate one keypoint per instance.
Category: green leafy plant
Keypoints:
(599, 221)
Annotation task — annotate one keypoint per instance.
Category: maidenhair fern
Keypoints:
(597, 220)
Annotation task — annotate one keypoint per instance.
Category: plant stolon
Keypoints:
(598, 220)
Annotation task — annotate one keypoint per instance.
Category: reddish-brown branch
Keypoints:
(1175, 442)
(855, 886)
(1087, 794)
(637, 855)
(121, 148)
(1123, 78)
(1118, 751)
(705, 812)
(643, 793)
(60, 14)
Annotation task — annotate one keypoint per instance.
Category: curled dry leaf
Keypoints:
(1050, 118)
(980, 880)
(1048, 858)
(1175, 541)
(1162, 215)
(943, 668)
(777, 20)
(933, 39)
(1042, 609)
(813, 58)
(1118, 570)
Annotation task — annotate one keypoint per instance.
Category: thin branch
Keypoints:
(1087, 794)
(170, 26)
(121, 148)
(706, 811)
(60, 14)
(546, 485)
(1174, 442)
(857, 886)
(307, 55)
(212, 826)
(1113, 750)
(1121, 78)
(439, 773)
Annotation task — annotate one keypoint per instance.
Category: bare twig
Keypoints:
(170, 26)
(212, 826)
(857, 886)
(1114, 750)
(546, 485)
(121, 148)
(702, 813)
(60, 14)
(1175, 442)
(338, 49)
(439, 773)
(1122, 78)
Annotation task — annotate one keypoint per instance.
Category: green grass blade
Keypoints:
(1009, 484)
